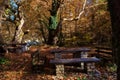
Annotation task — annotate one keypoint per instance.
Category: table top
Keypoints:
(72, 50)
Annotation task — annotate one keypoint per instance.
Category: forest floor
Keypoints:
(19, 67)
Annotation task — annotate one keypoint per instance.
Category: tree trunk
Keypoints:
(19, 33)
(52, 28)
(53, 21)
(114, 7)
(0, 20)
(55, 33)
(1, 11)
(51, 37)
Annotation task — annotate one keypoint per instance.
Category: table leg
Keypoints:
(59, 70)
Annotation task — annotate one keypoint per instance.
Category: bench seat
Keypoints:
(74, 60)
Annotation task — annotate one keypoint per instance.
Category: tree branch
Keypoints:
(21, 23)
(70, 19)
(84, 7)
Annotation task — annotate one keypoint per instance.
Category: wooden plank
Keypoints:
(74, 60)
(105, 57)
(104, 53)
(101, 51)
(106, 48)
(74, 50)
(10, 44)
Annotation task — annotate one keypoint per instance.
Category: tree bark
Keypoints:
(51, 37)
(114, 7)
(19, 33)
(1, 11)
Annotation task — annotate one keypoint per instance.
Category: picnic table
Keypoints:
(80, 55)
(14, 47)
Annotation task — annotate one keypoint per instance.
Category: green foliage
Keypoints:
(3, 61)
(112, 67)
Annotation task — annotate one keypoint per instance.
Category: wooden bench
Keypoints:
(13, 47)
(74, 60)
(79, 56)
(104, 53)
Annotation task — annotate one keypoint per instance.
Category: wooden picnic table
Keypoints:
(13, 47)
(80, 55)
